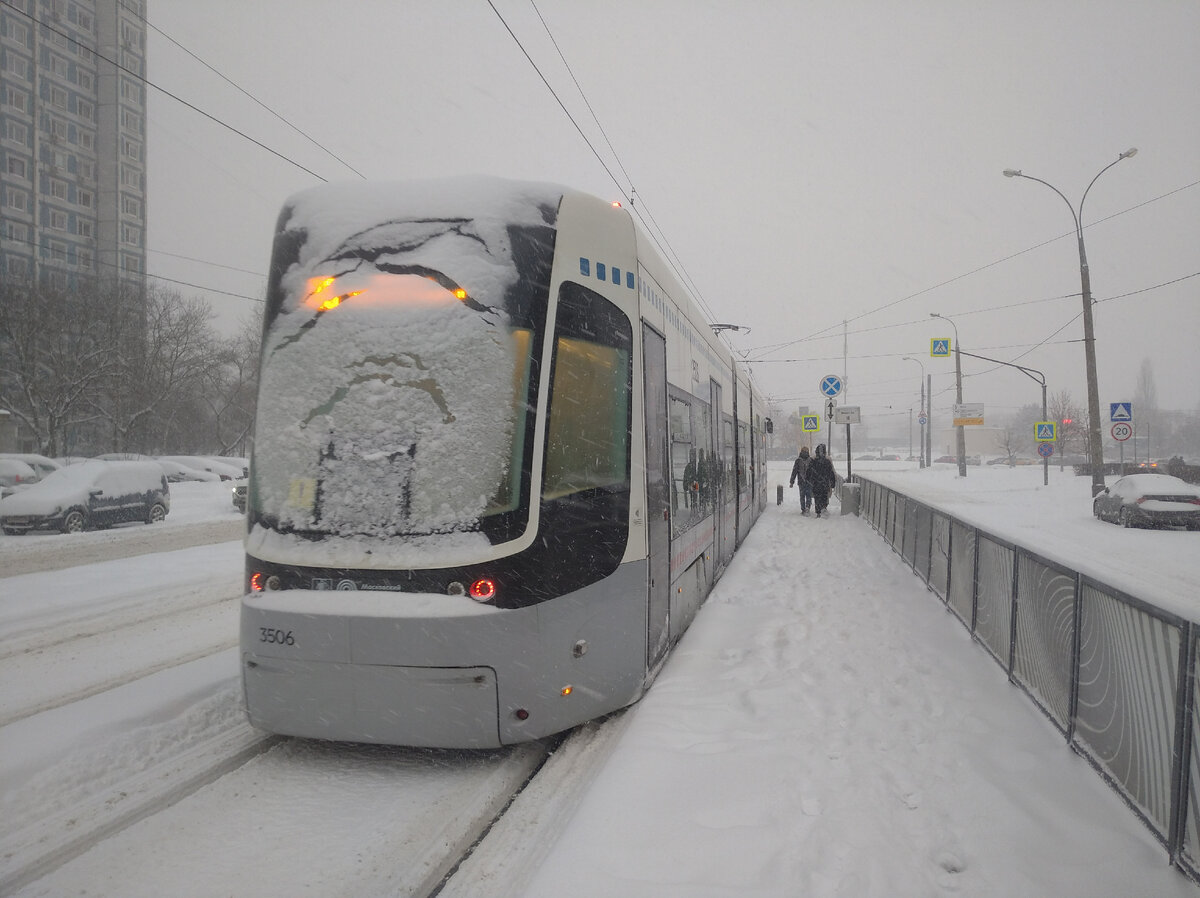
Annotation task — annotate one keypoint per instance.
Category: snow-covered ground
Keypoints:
(824, 728)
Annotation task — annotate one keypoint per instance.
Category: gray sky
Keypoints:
(809, 163)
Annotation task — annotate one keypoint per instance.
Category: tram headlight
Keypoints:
(483, 590)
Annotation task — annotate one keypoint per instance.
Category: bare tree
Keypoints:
(231, 386)
(162, 359)
(1072, 430)
(55, 356)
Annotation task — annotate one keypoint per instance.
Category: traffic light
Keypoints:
(1067, 420)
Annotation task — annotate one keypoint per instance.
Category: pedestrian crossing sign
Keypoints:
(809, 423)
(1045, 431)
(939, 347)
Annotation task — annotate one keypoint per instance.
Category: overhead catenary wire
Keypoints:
(243, 91)
(656, 233)
(142, 78)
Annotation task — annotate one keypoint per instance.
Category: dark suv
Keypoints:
(91, 494)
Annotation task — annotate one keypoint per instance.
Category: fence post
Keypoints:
(1184, 746)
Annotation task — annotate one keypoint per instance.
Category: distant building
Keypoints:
(72, 140)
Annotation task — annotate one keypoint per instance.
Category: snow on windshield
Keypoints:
(387, 396)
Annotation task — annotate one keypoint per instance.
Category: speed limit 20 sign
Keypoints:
(1122, 431)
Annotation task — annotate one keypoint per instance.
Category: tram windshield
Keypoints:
(398, 369)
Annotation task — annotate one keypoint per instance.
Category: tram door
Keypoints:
(716, 478)
(658, 494)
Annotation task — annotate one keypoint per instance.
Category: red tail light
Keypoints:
(256, 581)
(483, 590)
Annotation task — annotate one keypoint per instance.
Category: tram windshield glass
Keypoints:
(399, 370)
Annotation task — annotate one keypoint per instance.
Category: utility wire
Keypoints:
(777, 346)
(656, 233)
(241, 90)
(116, 65)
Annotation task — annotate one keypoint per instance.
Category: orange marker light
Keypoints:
(460, 293)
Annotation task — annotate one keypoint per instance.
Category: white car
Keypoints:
(1149, 500)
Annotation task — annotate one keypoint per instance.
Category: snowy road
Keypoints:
(825, 729)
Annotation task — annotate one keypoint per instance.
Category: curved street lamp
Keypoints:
(960, 445)
(1095, 448)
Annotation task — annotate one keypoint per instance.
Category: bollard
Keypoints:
(849, 497)
(779, 494)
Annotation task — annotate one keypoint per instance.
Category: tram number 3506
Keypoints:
(276, 637)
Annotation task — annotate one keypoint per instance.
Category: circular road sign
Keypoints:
(922, 420)
(1122, 431)
(1045, 450)
(830, 385)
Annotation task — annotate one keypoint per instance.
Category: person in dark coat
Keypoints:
(823, 479)
(800, 476)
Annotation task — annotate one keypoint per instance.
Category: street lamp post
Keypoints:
(924, 411)
(1095, 448)
(961, 437)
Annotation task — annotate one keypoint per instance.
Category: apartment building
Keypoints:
(72, 140)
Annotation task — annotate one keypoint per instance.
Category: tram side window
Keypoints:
(588, 432)
(727, 461)
(684, 489)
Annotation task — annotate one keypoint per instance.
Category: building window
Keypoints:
(131, 263)
(58, 251)
(17, 231)
(19, 33)
(58, 129)
(83, 258)
(86, 81)
(131, 120)
(131, 235)
(84, 198)
(131, 177)
(131, 205)
(84, 109)
(83, 227)
(58, 220)
(87, 139)
(58, 97)
(84, 20)
(18, 66)
(16, 199)
(131, 149)
(18, 267)
(58, 189)
(87, 170)
(17, 167)
(58, 66)
(17, 99)
(18, 133)
(131, 90)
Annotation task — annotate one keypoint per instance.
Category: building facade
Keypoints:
(72, 141)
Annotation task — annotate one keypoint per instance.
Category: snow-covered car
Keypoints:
(15, 474)
(239, 497)
(40, 464)
(1150, 500)
(178, 472)
(202, 463)
(92, 494)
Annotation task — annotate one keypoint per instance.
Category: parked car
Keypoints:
(15, 474)
(239, 497)
(91, 494)
(201, 463)
(177, 472)
(1150, 500)
(40, 464)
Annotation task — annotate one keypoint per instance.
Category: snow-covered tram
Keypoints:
(499, 461)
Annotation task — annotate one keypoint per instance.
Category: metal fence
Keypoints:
(1114, 674)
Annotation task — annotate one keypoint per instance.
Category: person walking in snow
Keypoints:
(823, 479)
(800, 476)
